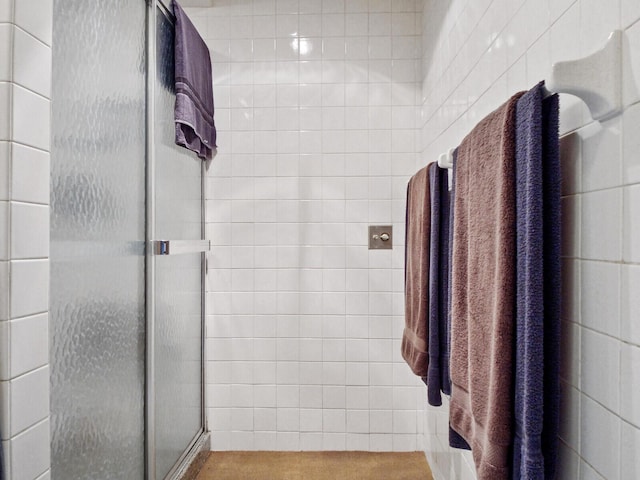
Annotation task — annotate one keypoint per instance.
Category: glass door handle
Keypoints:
(178, 247)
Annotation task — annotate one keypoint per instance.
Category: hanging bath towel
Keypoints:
(483, 292)
(195, 127)
(438, 374)
(538, 286)
(415, 338)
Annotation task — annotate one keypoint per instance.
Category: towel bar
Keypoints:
(596, 79)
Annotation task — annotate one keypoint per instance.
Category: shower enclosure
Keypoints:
(127, 261)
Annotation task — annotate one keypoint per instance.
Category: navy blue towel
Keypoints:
(537, 286)
(551, 222)
(195, 127)
(455, 439)
(438, 373)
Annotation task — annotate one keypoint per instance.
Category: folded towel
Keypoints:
(195, 127)
(415, 338)
(483, 292)
(438, 285)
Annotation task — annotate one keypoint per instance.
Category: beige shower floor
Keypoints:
(315, 466)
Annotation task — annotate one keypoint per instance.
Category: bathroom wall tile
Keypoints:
(597, 21)
(631, 65)
(600, 438)
(357, 442)
(5, 410)
(600, 369)
(311, 420)
(570, 415)
(5, 108)
(32, 63)
(45, 476)
(288, 420)
(631, 229)
(29, 231)
(36, 19)
(30, 174)
(571, 207)
(568, 462)
(30, 453)
(404, 421)
(5, 171)
(571, 163)
(29, 293)
(311, 441)
(381, 442)
(4, 230)
(29, 399)
(600, 298)
(601, 222)
(588, 473)
(629, 383)
(29, 344)
(6, 11)
(357, 398)
(4, 291)
(630, 442)
(31, 118)
(6, 54)
(601, 154)
(334, 421)
(564, 31)
(5, 353)
(631, 144)
(630, 12)
(334, 441)
(630, 303)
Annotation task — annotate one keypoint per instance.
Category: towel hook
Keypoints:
(445, 160)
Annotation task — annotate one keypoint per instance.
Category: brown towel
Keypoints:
(415, 339)
(483, 291)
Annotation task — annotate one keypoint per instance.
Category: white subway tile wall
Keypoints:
(476, 54)
(317, 134)
(318, 106)
(25, 88)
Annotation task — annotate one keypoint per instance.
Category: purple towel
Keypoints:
(195, 127)
(438, 373)
(537, 286)
(551, 177)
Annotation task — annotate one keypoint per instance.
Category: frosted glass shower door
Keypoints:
(177, 274)
(97, 311)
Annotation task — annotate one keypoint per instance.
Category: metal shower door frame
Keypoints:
(155, 248)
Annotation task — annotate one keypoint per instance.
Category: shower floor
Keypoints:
(315, 466)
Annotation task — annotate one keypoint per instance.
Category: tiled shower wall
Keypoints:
(475, 55)
(25, 88)
(316, 110)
